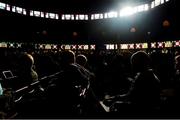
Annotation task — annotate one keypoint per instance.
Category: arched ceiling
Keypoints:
(70, 6)
(89, 30)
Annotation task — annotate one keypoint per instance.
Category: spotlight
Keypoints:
(112, 14)
(127, 11)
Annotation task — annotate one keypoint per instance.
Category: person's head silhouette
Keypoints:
(81, 60)
(67, 57)
(26, 61)
(140, 61)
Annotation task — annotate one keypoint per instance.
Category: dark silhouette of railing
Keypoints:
(29, 88)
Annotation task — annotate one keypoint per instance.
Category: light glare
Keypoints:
(146, 7)
(112, 14)
(127, 11)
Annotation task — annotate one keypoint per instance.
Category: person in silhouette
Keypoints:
(144, 93)
(66, 92)
(81, 60)
(26, 72)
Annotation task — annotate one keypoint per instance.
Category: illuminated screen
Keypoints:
(42, 46)
(42, 14)
(81, 17)
(124, 46)
(8, 8)
(83, 47)
(168, 44)
(47, 15)
(19, 10)
(162, 1)
(2, 5)
(31, 13)
(157, 2)
(19, 45)
(48, 46)
(24, 11)
(37, 13)
(3, 45)
(67, 47)
(52, 15)
(57, 16)
(110, 46)
(7, 74)
(86, 47)
(138, 46)
(92, 47)
(141, 45)
(54, 46)
(153, 45)
(73, 47)
(130, 46)
(11, 45)
(144, 45)
(160, 44)
(177, 43)
(67, 17)
(80, 47)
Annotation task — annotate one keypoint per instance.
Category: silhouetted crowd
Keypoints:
(97, 84)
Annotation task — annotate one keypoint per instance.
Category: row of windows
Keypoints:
(167, 44)
(74, 17)
(126, 11)
(158, 2)
(42, 14)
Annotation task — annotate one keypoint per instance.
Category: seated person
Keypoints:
(81, 60)
(26, 73)
(172, 94)
(65, 92)
(145, 88)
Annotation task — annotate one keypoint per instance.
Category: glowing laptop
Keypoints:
(8, 74)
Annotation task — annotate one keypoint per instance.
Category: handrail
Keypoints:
(36, 82)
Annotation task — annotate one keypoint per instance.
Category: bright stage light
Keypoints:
(146, 7)
(127, 11)
(112, 14)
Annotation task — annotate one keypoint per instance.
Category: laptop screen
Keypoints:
(7, 74)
